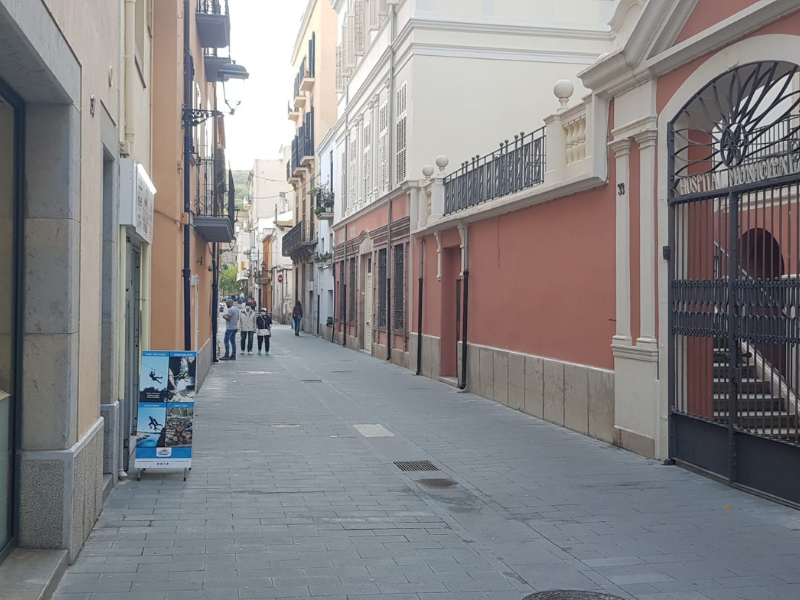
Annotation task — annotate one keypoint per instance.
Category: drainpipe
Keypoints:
(389, 256)
(465, 274)
(345, 270)
(188, 69)
(391, 157)
(214, 301)
(130, 75)
(419, 308)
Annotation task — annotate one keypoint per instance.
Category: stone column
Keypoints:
(647, 266)
(622, 151)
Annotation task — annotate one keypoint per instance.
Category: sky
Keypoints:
(263, 33)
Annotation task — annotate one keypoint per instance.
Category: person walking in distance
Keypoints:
(247, 327)
(297, 317)
(263, 330)
(231, 327)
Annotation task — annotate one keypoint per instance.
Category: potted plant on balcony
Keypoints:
(325, 198)
(324, 259)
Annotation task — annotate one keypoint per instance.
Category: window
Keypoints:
(339, 69)
(402, 113)
(351, 301)
(354, 187)
(382, 287)
(398, 301)
(366, 164)
(383, 148)
(350, 44)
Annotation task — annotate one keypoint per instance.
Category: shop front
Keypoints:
(10, 119)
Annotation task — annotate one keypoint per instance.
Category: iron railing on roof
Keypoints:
(212, 7)
(516, 165)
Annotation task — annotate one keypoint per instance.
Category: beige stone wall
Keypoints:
(93, 34)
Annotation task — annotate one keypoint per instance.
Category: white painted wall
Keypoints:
(477, 72)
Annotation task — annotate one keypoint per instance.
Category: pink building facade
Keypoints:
(630, 270)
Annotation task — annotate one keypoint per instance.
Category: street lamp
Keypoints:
(233, 78)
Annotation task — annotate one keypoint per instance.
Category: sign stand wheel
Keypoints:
(139, 474)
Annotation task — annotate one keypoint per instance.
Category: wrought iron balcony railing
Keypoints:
(303, 143)
(213, 7)
(515, 166)
(211, 195)
(300, 239)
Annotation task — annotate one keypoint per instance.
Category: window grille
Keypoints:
(351, 292)
(382, 287)
(398, 283)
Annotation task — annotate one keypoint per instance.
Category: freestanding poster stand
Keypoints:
(165, 426)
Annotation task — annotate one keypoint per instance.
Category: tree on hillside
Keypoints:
(240, 185)
(228, 284)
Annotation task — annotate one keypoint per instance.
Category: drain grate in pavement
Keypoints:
(312, 380)
(438, 484)
(416, 465)
(571, 595)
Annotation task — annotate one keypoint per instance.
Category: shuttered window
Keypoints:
(401, 131)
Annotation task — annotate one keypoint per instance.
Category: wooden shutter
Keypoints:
(383, 148)
(401, 133)
(360, 28)
(339, 70)
(350, 50)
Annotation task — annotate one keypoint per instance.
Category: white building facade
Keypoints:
(421, 78)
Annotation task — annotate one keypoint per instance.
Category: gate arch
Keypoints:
(734, 347)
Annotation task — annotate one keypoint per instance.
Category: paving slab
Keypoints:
(294, 493)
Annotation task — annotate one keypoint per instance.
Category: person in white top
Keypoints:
(247, 327)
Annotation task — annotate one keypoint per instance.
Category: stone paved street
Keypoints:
(292, 496)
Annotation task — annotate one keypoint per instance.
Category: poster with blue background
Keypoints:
(165, 426)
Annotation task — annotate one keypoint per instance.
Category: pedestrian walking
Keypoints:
(231, 327)
(297, 317)
(247, 327)
(264, 330)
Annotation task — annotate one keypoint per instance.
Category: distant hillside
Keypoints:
(240, 181)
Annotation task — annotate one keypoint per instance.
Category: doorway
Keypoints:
(368, 308)
(10, 238)
(133, 331)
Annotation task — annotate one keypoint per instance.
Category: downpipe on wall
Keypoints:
(419, 308)
(463, 383)
(188, 69)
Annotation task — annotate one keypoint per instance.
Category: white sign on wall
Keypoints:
(136, 199)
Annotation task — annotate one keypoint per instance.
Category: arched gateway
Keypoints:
(734, 197)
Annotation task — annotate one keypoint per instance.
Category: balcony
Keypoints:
(213, 207)
(300, 242)
(213, 63)
(303, 146)
(294, 114)
(322, 199)
(213, 23)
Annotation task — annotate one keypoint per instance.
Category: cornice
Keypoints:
(510, 28)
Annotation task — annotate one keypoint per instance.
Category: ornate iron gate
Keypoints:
(734, 371)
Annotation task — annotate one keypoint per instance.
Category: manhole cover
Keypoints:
(571, 595)
(416, 465)
(439, 484)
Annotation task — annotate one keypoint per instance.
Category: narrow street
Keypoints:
(294, 493)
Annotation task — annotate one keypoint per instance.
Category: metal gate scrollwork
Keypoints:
(734, 368)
